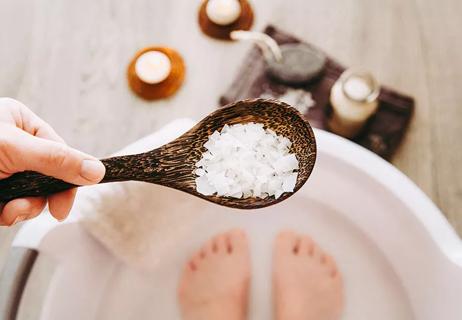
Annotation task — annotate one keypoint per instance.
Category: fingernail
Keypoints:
(18, 219)
(92, 170)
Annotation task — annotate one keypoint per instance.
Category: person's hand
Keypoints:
(29, 143)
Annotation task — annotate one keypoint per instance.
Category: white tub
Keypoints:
(399, 256)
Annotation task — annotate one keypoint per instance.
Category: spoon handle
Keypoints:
(34, 184)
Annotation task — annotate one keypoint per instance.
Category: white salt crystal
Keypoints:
(278, 194)
(286, 163)
(204, 187)
(246, 160)
(200, 172)
(289, 183)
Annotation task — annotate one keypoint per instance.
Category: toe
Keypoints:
(209, 247)
(317, 252)
(306, 246)
(219, 243)
(331, 265)
(237, 241)
(191, 265)
(286, 241)
(200, 255)
(325, 260)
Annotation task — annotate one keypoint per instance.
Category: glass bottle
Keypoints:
(354, 99)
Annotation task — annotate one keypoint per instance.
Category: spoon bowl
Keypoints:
(172, 165)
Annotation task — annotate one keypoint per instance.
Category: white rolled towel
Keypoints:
(140, 222)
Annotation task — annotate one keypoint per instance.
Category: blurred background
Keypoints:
(67, 61)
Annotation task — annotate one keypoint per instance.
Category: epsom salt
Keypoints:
(246, 160)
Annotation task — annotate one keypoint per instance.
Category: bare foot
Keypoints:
(307, 285)
(215, 282)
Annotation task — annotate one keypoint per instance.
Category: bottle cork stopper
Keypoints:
(224, 17)
(156, 72)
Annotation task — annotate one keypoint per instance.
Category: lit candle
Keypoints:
(153, 67)
(223, 12)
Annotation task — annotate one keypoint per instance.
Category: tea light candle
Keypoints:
(153, 67)
(354, 99)
(223, 12)
(155, 72)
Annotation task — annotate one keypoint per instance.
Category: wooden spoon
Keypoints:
(172, 165)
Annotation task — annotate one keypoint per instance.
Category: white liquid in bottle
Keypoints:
(354, 99)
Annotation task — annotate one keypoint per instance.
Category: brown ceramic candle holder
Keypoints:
(162, 89)
(244, 22)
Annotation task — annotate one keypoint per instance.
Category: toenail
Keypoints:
(311, 250)
(18, 219)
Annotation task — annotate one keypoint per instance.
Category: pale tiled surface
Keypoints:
(67, 59)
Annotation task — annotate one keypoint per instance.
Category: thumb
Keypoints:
(55, 159)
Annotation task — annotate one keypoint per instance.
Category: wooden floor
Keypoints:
(67, 60)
